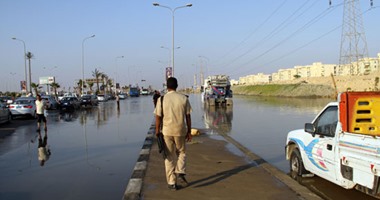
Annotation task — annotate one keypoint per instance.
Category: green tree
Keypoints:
(35, 87)
(96, 74)
(104, 81)
(90, 85)
(79, 85)
(55, 86)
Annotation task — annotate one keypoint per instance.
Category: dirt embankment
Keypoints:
(312, 87)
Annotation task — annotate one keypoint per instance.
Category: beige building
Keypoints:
(362, 67)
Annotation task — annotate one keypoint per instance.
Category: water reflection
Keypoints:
(218, 119)
(297, 104)
(43, 149)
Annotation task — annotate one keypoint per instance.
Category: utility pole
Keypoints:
(353, 45)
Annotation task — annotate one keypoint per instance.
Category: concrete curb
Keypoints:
(134, 187)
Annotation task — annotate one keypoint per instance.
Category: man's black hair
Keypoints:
(172, 83)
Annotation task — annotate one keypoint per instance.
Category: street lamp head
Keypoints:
(156, 4)
(189, 5)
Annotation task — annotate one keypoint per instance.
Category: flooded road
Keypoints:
(93, 151)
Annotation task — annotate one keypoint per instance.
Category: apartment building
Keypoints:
(364, 66)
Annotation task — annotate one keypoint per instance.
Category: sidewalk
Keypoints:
(214, 172)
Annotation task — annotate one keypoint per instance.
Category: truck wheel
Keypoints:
(296, 164)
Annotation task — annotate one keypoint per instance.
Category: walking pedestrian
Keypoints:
(174, 112)
(118, 101)
(40, 111)
(156, 95)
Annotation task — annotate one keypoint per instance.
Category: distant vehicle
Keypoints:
(70, 103)
(89, 100)
(144, 92)
(7, 100)
(134, 92)
(5, 113)
(122, 96)
(69, 94)
(50, 101)
(102, 98)
(24, 106)
(217, 91)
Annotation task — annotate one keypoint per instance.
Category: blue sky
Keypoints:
(236, 38)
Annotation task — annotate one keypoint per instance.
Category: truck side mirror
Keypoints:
(310, 128)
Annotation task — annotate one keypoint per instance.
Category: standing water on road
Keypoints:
(94, 151)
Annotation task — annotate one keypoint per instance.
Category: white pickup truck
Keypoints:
(342, 144)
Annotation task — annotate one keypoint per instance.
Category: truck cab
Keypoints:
(341, 144)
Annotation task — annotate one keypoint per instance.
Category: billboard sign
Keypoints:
(47, 80)
(23, 86)
(168, 73)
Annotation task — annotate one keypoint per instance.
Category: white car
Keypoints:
(24, 106)
(102, 98)
(122, 96)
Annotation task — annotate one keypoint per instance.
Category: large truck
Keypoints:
(342, 143)
(134, 91)
(217, 91)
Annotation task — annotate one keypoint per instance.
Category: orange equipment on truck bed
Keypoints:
(360, 112)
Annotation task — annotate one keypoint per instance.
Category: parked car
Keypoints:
(89, 100)
(7, 100)
(122, 96)
(68, 94)
(24, 106)
(102, 98)
(5, 113)
(70, 103)
(50, 101)
(341, 144)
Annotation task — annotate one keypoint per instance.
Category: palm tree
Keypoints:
(35, 87)
(79, 84)
(55, 85)
(90, 85)
(29, 56)
(96, 74)
(104, 81)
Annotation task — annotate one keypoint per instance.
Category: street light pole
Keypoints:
(26, 79)
(116, 73)
(83, 82)
(170, 59)
(172, 11)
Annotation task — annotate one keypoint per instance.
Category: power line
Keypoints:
(254, 31)
(275, 31)
(304, 27)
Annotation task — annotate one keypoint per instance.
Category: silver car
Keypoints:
(24, 106)
(5, 113)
